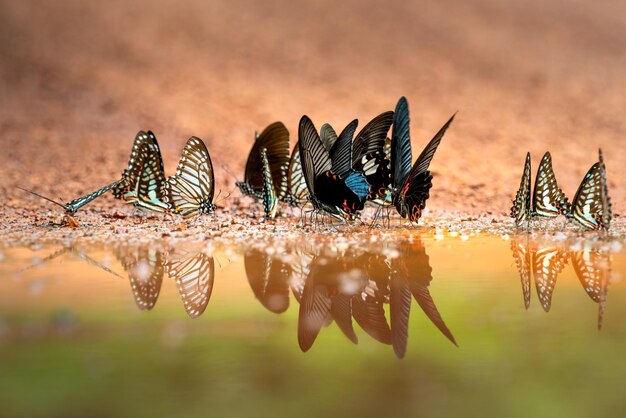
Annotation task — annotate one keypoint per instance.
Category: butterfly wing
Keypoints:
(548, 199)
(588, 205)
(270, 200)
(371, 139)
(275, 139)
(547, 265)
(194, 278)
(415, 191)
(328, 136)
(341, 152)
(315, 158)
(190, 191)
(607, 212)
(145, 148)
(520, 211)
(150, 188)
(297, 187)
(401, 157)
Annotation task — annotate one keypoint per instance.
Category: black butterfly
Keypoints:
(270, 199)
(72, 207)
(591, 206)
(275, 139)
(548, 200)
(190, 191)
(328, 192)
(194, 277)
(410, 185)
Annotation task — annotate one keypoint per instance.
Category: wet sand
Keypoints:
(79, 80)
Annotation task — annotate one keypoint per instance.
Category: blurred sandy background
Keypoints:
(79, 79)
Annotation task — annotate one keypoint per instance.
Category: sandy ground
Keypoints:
(78, 80)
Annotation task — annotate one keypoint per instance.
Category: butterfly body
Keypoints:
(270, 200)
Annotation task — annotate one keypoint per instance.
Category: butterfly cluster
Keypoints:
(590, 208)
(338, 174)
(143, 183)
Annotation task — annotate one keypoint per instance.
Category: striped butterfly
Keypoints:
(269, 280)
(548, 200)
(194, 277)
(410, 185)
(143, 182)
(145, 268)
(544, 264)
(190, 191)
(73, 206)
(297, 192)
(270, 200)
(145, 147)
(275, 139)
(591, 206)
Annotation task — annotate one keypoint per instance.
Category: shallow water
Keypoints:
(428, 324)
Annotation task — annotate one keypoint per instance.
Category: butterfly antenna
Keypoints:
(43, 197)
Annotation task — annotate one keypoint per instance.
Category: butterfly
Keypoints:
(297, 192)
(194, 277)
(190, 191)
(270, 199)
(591, 206)
(275, 139)
(328, 192)
(544, 264)
(269, 280)
(73, 206)
(410, 186)
(145, 268)
(548, 200)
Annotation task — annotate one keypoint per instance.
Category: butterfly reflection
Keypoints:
(347, 288)
(192, 271)
(545, 261)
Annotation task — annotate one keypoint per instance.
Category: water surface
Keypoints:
(410, 325)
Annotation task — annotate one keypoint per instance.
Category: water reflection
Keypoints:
(345, 286)
(192, 270)
(544, 261)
